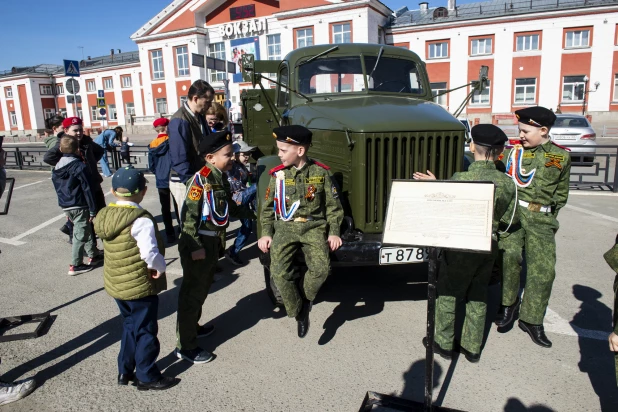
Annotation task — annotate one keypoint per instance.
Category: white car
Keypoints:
(575, 130)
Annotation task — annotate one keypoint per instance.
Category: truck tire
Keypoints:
(271, 288)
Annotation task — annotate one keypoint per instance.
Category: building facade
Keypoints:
(545, 52)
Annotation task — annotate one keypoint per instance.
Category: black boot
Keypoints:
(536, 332)
(303, 318)
(507, 314)
(437, 349)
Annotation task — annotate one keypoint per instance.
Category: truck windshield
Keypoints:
(394, 75)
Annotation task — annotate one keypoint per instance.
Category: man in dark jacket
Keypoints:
(73, 184)
(160, 163)
(187, 127)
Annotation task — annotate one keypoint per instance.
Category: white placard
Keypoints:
(445, 214)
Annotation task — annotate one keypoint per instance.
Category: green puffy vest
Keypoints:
(126, 275)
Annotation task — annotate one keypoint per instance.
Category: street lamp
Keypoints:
(586, 91)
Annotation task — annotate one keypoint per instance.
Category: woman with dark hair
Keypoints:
(54, 124)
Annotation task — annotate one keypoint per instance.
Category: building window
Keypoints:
(525, 90)
(9, 92)
(157, 65)
(111, 110)
(573, 89)
(483, 97)
(59, 88)
(47, 113)
(63, 112)
(527, 42)
(126, 82)
(616, 87)
(183, 100)
(304, 37)
(13, 118)
(437, 88)
(182, 60)
(578, 38)
(381, 35)
(274, 46)
(94, 113)
(342, 33)
(91, 86)
(217, 50)
(129, 109)
(438, 50)
(46, 89)
(161, 105)
(481, 46)
(108, 84)
(80, 113)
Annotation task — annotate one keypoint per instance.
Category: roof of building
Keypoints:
(486, 9)
(109, 60)
(38, 69)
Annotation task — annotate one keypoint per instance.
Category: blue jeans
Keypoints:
(105, 166)
(139, 346)
(246, 225)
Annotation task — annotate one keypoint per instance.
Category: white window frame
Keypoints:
(183, 100)
(576, 39)
(46, 90)
(94, 113)
(91, 86)
(437, 88)
(47, 113)
(13, 117)
(304, 37)
(80, 113)
(527, 91)
(127, 82)
(59, 88)
(340, 31)
(182, 61)
(161, 101)
(129, 110)
(483, 99)
(438, 50)
(111, 112)
(527, 42)
(156, 57)
(217, 50)
(63, 112)
(108, 84)
(573, 85)
(9, 92)
(273, 43)
(481, 44)
(615, 87)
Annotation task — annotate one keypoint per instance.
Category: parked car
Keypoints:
(575, 130)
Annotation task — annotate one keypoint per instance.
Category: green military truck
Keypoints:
(370, 110)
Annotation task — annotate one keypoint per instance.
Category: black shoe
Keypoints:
(233, 258)
(125, 378)
(162, 384)
(197, 355)
(471, 357)
(303, 319)
(507, 314)
(205, 330)
(536, 332)
(65, 229)
(446, 354)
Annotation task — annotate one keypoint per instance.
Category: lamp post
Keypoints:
(586, 91)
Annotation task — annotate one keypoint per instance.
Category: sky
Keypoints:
(42, 31)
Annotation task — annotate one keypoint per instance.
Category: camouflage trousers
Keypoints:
(616, 316)
(310, 237)
(463, 276)
(537, 236)
(197, 276)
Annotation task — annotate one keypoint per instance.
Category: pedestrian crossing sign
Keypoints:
(100, 102)
(71, 68)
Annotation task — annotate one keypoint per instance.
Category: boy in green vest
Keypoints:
(134, 273)
(205, 213)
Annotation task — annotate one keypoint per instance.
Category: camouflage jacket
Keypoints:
(504, 194)
(550, 185)
(209, 178)
(313, 187)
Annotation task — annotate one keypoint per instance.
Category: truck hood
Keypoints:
(373, 114)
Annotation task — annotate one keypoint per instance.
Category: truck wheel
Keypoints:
(271, 288)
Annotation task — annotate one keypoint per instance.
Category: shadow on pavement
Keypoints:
(596, 359)
(362, 292)
(515, 405)
(414, 381)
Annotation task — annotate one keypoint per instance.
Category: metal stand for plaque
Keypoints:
(42, 321)
(10, 183)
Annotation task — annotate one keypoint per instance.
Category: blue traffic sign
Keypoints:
(102, 111)
(101, 94)
(71, 68)
(227, 104)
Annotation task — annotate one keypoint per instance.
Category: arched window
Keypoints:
(440, 12)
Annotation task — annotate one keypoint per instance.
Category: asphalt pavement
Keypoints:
(365, 335)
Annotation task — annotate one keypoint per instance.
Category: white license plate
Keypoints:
(396, 255)
(564, 137)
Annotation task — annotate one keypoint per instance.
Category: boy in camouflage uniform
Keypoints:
(205, 217)
(541, 170)
(465, 275)
(611, 257)
(301, 211)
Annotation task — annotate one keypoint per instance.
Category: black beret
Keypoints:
(214, 142)
(293, 134)
(536, 116)
(488, 135)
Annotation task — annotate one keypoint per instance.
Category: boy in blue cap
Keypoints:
(134, 273)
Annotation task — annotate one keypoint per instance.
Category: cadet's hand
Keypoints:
(423, 176)
(91, 219)
(264, 243)
(198, 254)
(154, 274)
(613, 342)
(334, 242)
